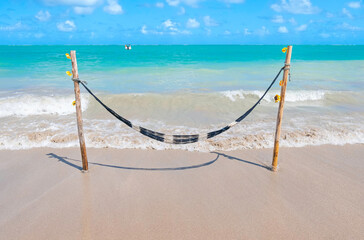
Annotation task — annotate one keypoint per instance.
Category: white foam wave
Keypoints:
(291, 96)
(29, 104)
(234, 95)
(113, 134)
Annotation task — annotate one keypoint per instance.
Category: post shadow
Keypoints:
(63, 159)
(242, 160)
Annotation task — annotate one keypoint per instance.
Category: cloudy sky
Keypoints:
(181, 22)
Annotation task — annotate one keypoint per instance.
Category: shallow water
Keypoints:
(181, 89)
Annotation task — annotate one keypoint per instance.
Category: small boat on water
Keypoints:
(127, 47)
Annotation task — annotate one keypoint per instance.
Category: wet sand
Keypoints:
(318, 193)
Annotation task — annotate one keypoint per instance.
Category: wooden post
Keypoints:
(280, 109)
(79, 112)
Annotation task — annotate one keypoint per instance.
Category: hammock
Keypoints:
(180, 139)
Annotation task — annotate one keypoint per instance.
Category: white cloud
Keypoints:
(113, 7)
(191, 3)
(168, 24)
(282, 29)
(173, 3)
(159, 5)
(43, 16)
(278, 19)
(347, 13)
(301, 28)
(185, 32)
(276, 7)
(246, 32)
(296, 7)
(83, 10)
(144, 30)
(227, 32)
(171, 28)
(209, 21)
(12, 27)
(262, 31)
(292, 21)
(325, 35)
(168, 27)
(80, 6)
(72, 2)
(192, 23)
(346, 26)
(67, 26)
(354, 4)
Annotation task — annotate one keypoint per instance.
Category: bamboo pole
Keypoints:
(79, 112)
(280, 109)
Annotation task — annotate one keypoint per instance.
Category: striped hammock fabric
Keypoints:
(180, 139)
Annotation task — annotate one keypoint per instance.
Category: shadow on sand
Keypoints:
(71, 162)
(244, 161)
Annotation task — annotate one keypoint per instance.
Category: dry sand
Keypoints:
(318, 193)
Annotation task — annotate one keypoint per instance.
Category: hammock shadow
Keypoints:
(244, 161)
(68, 161)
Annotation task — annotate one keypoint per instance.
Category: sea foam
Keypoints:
(29, 104)
(291, 96)
(297, 132)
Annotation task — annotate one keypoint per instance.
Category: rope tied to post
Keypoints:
(179, 139)
(79, 81)
(287, 67)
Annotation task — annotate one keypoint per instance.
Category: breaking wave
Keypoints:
(29, 104)
(32, 120)
(291, 96)
(296, 132)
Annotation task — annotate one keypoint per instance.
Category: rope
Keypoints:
(179, 139)
(288, 67)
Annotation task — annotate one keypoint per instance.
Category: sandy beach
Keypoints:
(141, 194)
(180, 104)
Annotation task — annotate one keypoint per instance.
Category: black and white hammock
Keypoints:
(180, 139)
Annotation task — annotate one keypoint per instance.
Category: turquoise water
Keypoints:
(181, 89)
(172, 68)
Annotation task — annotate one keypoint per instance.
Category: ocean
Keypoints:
(181, 90)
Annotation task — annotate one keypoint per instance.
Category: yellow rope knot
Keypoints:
(277, 98)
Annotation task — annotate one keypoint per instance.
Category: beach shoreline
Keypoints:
(317, 193)
(181, 90)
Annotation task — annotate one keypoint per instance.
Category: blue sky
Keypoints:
(181, 22)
